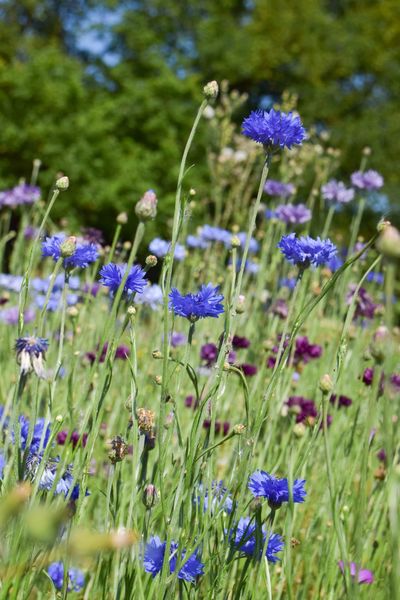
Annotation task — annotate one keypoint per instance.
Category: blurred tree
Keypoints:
(106, 91)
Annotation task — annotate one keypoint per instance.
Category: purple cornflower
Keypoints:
(274, 129)
(192, 241)
(278, 188)
(381, 455)
(395, 381)
(19, 195)
(303, 408)
(82, 254)
(280, 308)
(239, 342)
(93, 235)
(76, 578)
(363, 575)
(368, 376)
(305, 350)
(248, 370)
(111, 276)
(219, 427)
(30, 232)
(367, 180)
(244, 538)
(177, 339)
(336, 191)
(208, 233)
(364, 305)
(262, 484)
(340, 401)
(154, 558)
(209, 353)
(160, 248)
(205, 303)
(31, 354)
(306, 251)
(75, 438)
(10, 315)
(293, 214)
(253, 245)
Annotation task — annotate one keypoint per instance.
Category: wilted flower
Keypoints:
(117, 449)
(31, 354)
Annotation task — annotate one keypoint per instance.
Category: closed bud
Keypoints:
(122, 218)
(59, 418)
(326, 384)
(235, 242)
(192, 192)
(388, 242)
(131, 311)
(299, 430)
(117, 449)
(157, 354)
(210, 90)
(158, 379)
(68, 246)
(151, 260)
(240, 307)
(367, 151)
(72, 312)
(146, 208)
(239, 429)
(150, 496)
(62, 183)
(145, 419)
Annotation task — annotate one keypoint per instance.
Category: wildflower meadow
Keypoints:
(213, 415)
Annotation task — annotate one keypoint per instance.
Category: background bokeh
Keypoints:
(105, 92)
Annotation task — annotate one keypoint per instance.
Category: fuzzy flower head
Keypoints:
(111, 276)
(78, 254)
(336, 192)
(205, 303)
(76, 578)
(154, 558)
(278, 188)
(294, 214)
(367, 180)
(274, 129)
(306, 251)
(244, 539)
(262, 484)
(31, 354)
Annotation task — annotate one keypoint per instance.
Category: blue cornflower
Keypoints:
(253, 246)
(278, 188)
(40, 437)
(154, 558)
(11, 282)
(160, 248)
(64, 482)
(274, 129)
(19, 195)
(2, 465)
(208, 233)
(81, 254)
(274, 489)
(31, 354)
(293, 213)
(151, 296)
(206, 303)
(192, 241)
(306, 251)
(76, 578)
(220, 498)
(111, 276)
(244, 539)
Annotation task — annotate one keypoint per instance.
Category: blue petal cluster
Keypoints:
(83, 256)
(306, 251)
(31, 345)
(160, 248)
(294, 214)
(206, 303)
(273, 187)
(154, 558)
(262, 484)
(367, 180)
(76, 578)
(219, 499)
(244, 539)
(111, 276)
(274, 128)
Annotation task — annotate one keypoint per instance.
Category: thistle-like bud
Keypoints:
(122, 218)
(151, 260)
(117, 449)
(388, 242)
(150, 496)
(326, 384)
(211, 89)
(68, 246)
(62, 183)
(146, 208)
(145, 419)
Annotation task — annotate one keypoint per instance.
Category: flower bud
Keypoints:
(117, 449)
(299, 430)
(157, 354)
(240, 307)
(151, 260)
(62, 183)
(388, 242)
(131, 311)
(210, 90)
(326, 384)
(72, 312)
(235, 242)
(145, 419)
(150, 496)
(158, 379)
(122, 218)
(239, 429)
(146, 208)
(68, 246)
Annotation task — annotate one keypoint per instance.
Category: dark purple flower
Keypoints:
(248, 370)
(209, 353)
(280, 308)
(381, 455)
(368, 376)
(305, 351)
(239, 342)
(75, 438)
(303, 408)
(395, 381)
(364, 305)
(93, 235)
(219, 427)
(340, 401)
